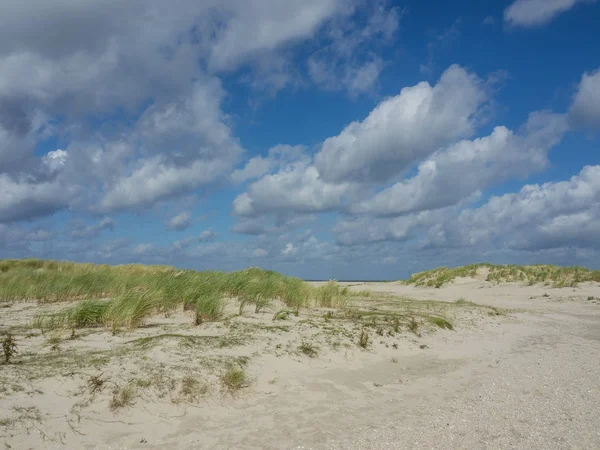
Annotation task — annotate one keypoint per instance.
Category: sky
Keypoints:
(325, 139)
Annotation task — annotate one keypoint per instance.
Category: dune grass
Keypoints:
(127, 295)
(554, 276)
(332, 295)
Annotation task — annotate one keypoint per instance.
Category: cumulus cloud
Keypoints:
(278, 157)
(182, 141)
(585, 109)
(481, 163)
(404, 128)
(26, 199)
(551, 215)
(529, 13)
(396, 133)
(296, 189)
(180, 222)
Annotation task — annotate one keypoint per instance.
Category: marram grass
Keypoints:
(127, 295)
(554, 276)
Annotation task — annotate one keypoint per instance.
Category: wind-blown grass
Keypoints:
(129, 294)
(131, 310)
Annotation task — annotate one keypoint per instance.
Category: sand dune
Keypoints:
(519, 371)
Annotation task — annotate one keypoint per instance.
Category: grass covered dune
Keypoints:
(555, 276)
(124, 296)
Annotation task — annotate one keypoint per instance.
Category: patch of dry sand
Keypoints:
(527, 379)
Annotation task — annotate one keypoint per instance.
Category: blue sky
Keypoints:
(345, 139)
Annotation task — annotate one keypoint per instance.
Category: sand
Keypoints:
(527, 378)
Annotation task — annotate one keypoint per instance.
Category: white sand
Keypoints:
(526, 381)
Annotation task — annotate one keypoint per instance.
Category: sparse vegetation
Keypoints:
(441, 323)
(96, 383)
(192, 388)
(122, 397)
(171, 359)
(309, 350)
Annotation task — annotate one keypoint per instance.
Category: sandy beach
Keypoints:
(519, 369)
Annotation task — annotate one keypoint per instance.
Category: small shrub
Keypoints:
(396, 325)
(9, 347)
(309, 350)
(363, 340)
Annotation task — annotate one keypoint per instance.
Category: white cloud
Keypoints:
(289, 250)
(296, 189)
(404, 128)
(585, 109)
(481, 163)
(278, 157)
(54, 161)
(180, 222)
(551, 215)
(265, 25)
(529, 13)
(27, 199)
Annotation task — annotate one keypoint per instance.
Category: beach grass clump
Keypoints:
(234, 379)
(208, 307)
(131, 310)
(332, 295)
